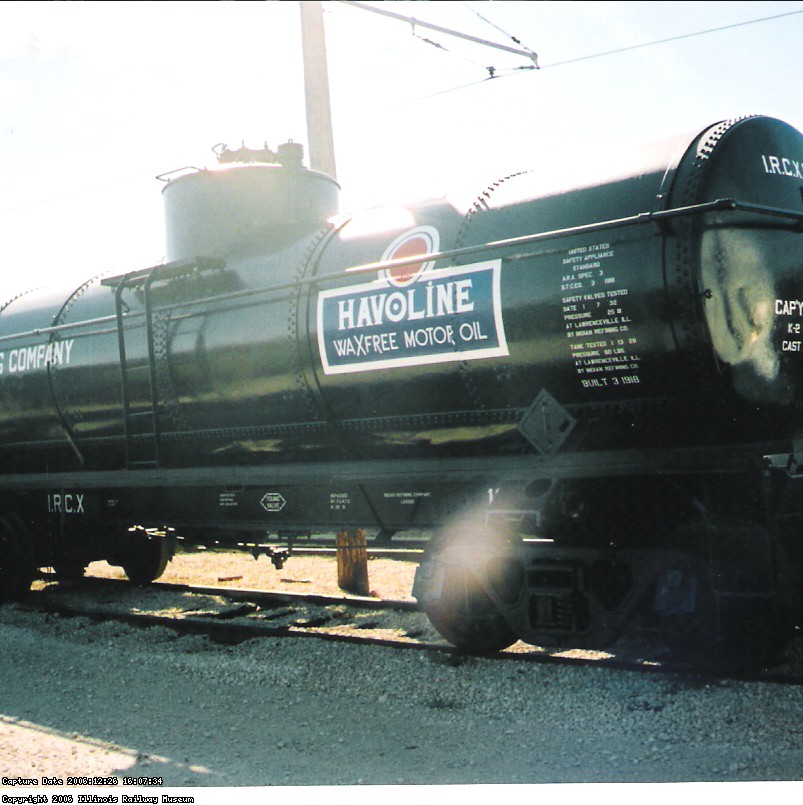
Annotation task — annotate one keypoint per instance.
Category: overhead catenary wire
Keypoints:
(604, 53)
(73, 193)
(672, 39)
(492, 71)
(497, 75)
(439, 28)
(512, 38)
(443, 48)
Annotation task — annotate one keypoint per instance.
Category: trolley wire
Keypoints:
(512, 38)
(492, 71)
(672, 39)
(601, 54)
(443, 48)
(73, 193)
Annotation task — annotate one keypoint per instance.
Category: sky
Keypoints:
(97, 99)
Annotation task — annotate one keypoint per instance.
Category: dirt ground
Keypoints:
(87, 698)
(387, 578)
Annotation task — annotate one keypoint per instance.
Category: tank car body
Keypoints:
(590, 381)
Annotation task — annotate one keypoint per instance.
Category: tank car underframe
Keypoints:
(556, 550)
(586, 598)
(698, 559)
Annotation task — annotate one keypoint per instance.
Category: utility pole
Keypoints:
(316, 89)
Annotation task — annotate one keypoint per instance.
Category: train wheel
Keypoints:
(454, 601)
(16, 559)
(147, 555)
(746, 601)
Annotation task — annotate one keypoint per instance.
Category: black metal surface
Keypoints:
(654, 302)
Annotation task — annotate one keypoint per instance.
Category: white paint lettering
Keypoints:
(345, 314)
(68, 503)
(39, 356)
(463, 290)
(789, 307)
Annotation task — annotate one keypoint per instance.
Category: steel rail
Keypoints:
(223, 629)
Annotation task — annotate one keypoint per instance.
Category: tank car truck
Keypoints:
(586, 383)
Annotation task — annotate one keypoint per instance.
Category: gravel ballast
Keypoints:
(82, 698)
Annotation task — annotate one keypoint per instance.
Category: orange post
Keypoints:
(352, 561)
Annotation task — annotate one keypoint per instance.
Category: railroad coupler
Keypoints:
(277, 556)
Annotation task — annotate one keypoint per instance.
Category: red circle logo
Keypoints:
(422, 241)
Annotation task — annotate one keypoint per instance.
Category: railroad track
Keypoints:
(231, 616)
(227, 614)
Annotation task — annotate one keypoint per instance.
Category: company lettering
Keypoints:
(789, 307)
(783, 166)
(414, 304)
(25, 359)
(68, 503)
(447, 314)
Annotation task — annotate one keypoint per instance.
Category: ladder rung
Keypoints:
(141, 434)
(141, 440)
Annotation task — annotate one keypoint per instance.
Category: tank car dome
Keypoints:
(245, 205)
